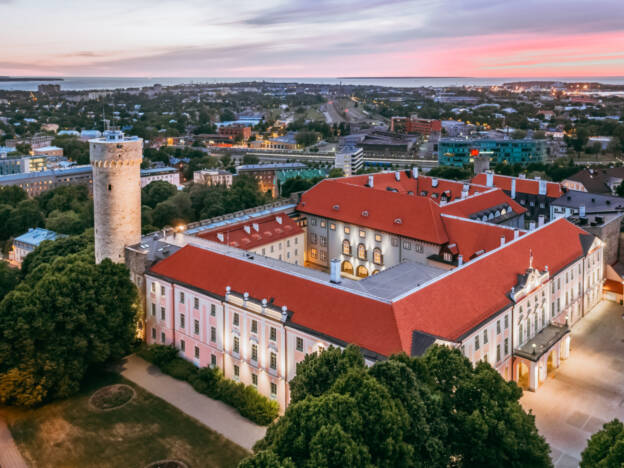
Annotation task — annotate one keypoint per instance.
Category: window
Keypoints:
(254, 326)
(162, 290)
(323, 241)
(407, 245)
(332, 226)
(236, 371)
(520, 334)
(153, 287)
(162, 337)
(162, 313)
(323, 223)
(498, 328)
(313, 238)
(312, 221)
(418, 247)
(313, 253)
(394, 241)
(485, 336)
(273, 334)
(213, 310)
(323, 255)
(181, 320)
(447, 256)
(154, 309)
(362, 233)
(236, 319)
(181, 298)
(196, 352)
(361, 252)
(273, 363)
(236, 345)
(299, 344)
(153, 333)
(254, 352)
(347, 230)
(213, 334)
(213, 360)
(346, 247)
(273, 390)
(498, 353)
(196, 327)
(477, 342)
(377, 237)
(254, 380)
(196, 303)
(182, 346)
(506, 346)
(377, 257)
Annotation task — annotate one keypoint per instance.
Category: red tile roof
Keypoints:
(448, 307)
(480, 202)
(398, 213)
(329, 310)
(530, 186)
(471, 237)
(455, 304)
(269, 230)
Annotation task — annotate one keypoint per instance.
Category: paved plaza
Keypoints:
(588, 388)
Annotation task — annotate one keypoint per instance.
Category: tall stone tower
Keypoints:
(116, 161)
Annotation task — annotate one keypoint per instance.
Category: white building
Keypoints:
(350, 159)
(168, 174)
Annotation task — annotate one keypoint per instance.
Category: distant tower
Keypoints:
(116, 162)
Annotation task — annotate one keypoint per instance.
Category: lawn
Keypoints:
(70, 433)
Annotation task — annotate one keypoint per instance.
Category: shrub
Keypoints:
(211, 383)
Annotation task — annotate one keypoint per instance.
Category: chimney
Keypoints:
(220, 236)
(415, 172)
(540, 220)
(513, 188)
(532, 226)
(434, 182)
(516, 233)
(247, 229)
(227, 292)
(256, 227)
(489, 178)
(460, 260)
(582, 211)
(371, 181)
(542, 187)
(334, 271)
(264, 304)
(502, 240)
(397, 176)
(278, 219)
(522, 176)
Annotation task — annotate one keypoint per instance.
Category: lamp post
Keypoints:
(534, 346)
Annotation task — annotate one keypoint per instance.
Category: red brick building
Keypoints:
(236, 131)
(414, 124)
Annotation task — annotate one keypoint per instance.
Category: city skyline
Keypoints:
(298, 39)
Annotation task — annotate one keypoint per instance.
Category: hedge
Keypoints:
(212, 383)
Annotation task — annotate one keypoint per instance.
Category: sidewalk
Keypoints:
(10, 457)
(212, 413)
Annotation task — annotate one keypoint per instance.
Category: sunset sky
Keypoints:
(312, 38)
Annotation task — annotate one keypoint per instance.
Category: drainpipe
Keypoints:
(173, 333)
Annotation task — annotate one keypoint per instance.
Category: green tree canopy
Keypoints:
(157, 191)
(605, 449)
(73, 148)
(434, 411)
(9, 278)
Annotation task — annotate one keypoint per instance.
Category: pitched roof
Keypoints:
(262, 231)
(493, 199)
(325, 308)
(398, 213)
(453, 305)
(530, 186)
(595, 180)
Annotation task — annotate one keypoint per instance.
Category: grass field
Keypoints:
(70, 433)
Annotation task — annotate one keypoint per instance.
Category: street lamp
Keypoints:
(534, 346)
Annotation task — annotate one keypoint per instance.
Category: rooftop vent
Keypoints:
(365, 213)
(398, 221)
(336, 207)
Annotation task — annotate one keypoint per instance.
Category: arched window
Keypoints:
(347, 267)
(375, 272)
(520, 337)
(361, 252)
(377, 257)
(362, 272)
(346, 247)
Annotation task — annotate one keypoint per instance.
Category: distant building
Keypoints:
(89, 134)
(35, 183)
(266, 174)
(350, 160)
(21, 164)
(238, 132)
(168, 174)
(213, 177)
(595, 180)
(37, 141)
(49, 88)
(27, 242)
(276, 236)
(603, 141)
(286, 142)
(414, 124)
(49, 151)
(461, 152)
(50, 127)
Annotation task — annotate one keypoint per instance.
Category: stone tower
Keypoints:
(116, 162)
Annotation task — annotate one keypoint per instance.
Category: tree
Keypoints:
(434, 411)
(157, 191)
(605, 449)
(9, 278)
(306, 138)
(12, 195)
(227, 116)
(73, 148)
(335, 172)
(63, 319)
(250, 159)
(65, 222)
(23, 148)
(47, 251)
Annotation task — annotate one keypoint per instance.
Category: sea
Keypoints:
(81, 83)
